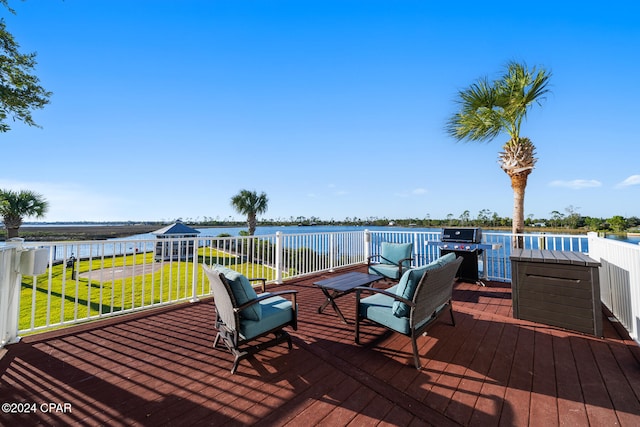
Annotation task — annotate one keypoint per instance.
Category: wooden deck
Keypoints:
(159, 368)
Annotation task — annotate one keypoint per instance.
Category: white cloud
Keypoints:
(419, 191)
(576, 184)
(632, 180)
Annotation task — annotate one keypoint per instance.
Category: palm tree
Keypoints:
(251, 204)
(488, 109)
(14, 206)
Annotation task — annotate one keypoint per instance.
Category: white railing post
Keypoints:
(279, 253)
(542, 242)
(7, 280)
(367, 245)
(331, 253)
(194, 280)
(10, 280)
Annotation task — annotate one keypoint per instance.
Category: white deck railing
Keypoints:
(619, 280)
(125, 275)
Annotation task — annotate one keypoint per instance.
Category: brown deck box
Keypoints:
(557, 288)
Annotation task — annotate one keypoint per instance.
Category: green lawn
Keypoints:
(82, 298)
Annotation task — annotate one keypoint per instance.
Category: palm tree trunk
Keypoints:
(12, 232)
(518, 183)
(12, 223)
(251, 224)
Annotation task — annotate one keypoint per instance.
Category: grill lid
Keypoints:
(462, 234)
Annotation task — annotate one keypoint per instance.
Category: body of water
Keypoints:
(293, 229)
(270, 230)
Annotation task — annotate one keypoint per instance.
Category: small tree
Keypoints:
(573, 217)
(20, 91)
(618, 223)
(14, 206)
(251, 204)
(594, 224)
(464, 218)
(556, 218)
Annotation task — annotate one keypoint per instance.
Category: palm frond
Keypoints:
(488, 109)
(520, 88)
(479, 117)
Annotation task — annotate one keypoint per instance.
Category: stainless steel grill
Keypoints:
(465, 242)
(462, 235)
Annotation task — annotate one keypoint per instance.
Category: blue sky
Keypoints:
(166, 109)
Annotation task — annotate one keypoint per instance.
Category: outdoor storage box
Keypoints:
(557, 288)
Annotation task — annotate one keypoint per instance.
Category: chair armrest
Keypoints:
(403, 260)
(384, 292)
(263, 286)
(371, 258)
(264, 297)
(388, 261)
(381, 259)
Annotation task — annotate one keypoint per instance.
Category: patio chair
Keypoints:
(243, 316)
(392, 261)
(421, 296)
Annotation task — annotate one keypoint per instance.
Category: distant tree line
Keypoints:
(485, 218)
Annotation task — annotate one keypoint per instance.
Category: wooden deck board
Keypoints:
(544, 406)
(159, 368)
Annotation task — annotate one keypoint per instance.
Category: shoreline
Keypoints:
(79, 232)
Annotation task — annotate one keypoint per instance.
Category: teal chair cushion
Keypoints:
(386, 270)
(409, 282)
(390, 255)
(243, 292)
(378, 307)
(275, 311)
(395, 252)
